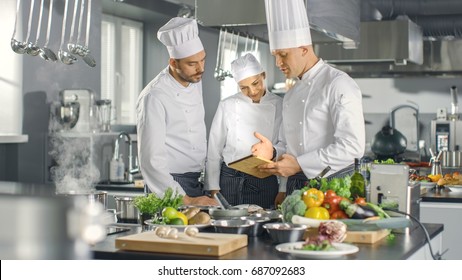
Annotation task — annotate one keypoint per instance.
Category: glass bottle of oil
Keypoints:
(358, 186)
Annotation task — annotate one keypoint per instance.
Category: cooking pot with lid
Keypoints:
(91, 196)
(388, 142)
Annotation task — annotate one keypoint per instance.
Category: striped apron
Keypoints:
(240, 188)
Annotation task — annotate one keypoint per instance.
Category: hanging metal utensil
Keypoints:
(217, 65)
(256, 46)
(17, 46)
(64, 56)
(80, 49)
(219, 72)
(246, 42)
(71, 45)
(88, 58)
(31, 48)
(45, 52)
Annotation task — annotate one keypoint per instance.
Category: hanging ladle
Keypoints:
(45, 52)
(31, 49)
(16, 46)
(87, 57)
(77, 48)
(71, 45)
(64, 56)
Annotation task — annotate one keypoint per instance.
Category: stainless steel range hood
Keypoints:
(330, 20)
(396, 41)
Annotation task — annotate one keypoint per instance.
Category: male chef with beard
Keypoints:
(322, 122)
(170, 117)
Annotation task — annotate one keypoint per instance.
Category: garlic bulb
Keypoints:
(172, 233)
(191, 231)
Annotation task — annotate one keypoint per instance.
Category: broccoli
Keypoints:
(293, 205)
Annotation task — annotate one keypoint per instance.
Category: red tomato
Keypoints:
(339, 214)
(329, 194)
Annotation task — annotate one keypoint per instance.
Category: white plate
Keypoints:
(455, 188)
(199, 226)
(341, 249)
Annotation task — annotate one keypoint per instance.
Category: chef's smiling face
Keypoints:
(290, 61)
(253, 87)
(190, 69)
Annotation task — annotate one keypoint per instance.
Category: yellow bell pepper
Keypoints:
(318, 213)
(313, 197)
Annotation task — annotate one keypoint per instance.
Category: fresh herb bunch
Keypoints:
(152, 203)
(388, 161)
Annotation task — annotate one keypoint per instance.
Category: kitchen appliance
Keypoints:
(388, 143)
(104, 114)
(85, 98)
(67, 114)
(446, 135)
(390, 187)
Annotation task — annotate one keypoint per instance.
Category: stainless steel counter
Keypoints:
(403, 246)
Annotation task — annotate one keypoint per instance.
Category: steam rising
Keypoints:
(75, 171)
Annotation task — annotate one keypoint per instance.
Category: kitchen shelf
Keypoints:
(10, 138)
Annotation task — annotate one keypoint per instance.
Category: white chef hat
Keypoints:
(245, 66)
(288, 25)
(181, 37)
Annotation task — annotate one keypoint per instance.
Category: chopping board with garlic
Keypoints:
(188, 243)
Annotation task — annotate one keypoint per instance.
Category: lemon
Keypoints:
(170, 213)
(183, 218)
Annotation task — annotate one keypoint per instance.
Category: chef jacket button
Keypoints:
(303, 100)
(186, 111)
(309, 83)
(300, 144)
(300, 123)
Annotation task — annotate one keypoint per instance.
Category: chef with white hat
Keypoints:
(170, 117)
(231, 136)
(323, 122)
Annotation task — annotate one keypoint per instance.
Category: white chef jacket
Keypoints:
(171, 131)
(323, 120)
(232, 132)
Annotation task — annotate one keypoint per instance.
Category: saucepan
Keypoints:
(126, 210)
(91, 196)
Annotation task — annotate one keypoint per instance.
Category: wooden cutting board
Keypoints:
(205, 244)
(369, 237)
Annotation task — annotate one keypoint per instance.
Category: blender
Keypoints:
(104, 114)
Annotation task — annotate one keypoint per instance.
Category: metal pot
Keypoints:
(126, 210)
(91, 196)
(388, 142)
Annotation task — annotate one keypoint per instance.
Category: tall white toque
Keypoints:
(181, 37)
(288, 25)
(245, 66)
